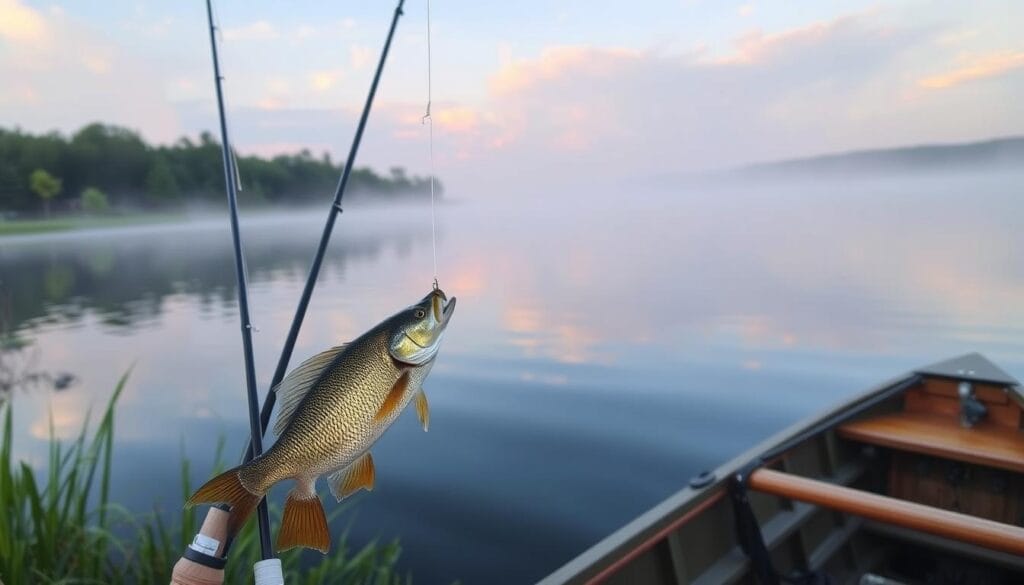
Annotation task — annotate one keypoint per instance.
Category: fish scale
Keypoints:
(334, 407)
(333, 425)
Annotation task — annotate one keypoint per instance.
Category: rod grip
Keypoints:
(213, 533)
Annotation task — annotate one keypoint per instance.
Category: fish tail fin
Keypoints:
(303, 523)
(227, 488)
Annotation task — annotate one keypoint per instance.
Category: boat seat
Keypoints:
(962, 527)
(987, 443)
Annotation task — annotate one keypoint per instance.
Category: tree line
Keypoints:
(102, 166)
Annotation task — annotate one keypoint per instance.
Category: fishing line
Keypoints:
(428, 118)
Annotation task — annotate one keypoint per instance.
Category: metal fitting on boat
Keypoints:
(972, 410)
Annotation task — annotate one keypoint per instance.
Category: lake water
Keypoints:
(604, 350)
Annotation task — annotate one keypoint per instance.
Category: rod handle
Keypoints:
(209, 542)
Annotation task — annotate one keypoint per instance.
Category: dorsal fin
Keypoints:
(297, 383)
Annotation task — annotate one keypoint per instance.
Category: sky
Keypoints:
(528, 93)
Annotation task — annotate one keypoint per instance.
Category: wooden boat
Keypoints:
(918, 480)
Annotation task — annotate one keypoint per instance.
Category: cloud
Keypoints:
(145, 23)
(596, 113)
(838, 84)
(97, 63)
(21, 24)
(360, 56)
(324, 80)
(309, 31)
(977, 67)
(555, 62)
(457, 120)
(63, 69)
(605, 112)
(305, 31)
(260, 30)
(958, 36)
(757, 46)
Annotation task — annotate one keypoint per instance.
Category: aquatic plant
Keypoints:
(60, 527)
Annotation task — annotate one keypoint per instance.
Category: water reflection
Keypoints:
(20, 368)
(125, 278)
(602, 354)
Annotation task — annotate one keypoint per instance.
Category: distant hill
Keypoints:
(999, 153)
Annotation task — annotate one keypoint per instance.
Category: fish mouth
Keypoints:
(449, 308)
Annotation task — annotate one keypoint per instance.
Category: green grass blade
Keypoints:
(58, 534)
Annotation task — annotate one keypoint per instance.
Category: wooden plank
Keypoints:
(986, 533)
(939, 396)
(965, 549)
(983, 444)
(985, 492)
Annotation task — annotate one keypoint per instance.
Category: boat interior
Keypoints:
(918, 481)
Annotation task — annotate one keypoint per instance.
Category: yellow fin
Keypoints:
(347, 481)
(394, 397)
(227, 488)
(303, 524)
(422, 409)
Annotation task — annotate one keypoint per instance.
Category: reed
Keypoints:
(60, 527)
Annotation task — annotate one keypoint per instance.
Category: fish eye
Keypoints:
(419, 313)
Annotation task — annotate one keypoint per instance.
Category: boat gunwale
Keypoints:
(605, 557)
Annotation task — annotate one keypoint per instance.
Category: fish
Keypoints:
(333, 408)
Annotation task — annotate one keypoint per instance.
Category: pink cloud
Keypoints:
(604, 112)
(553, 63)
(831, 85)
(977, 67)
(757, 47)
(457, 120)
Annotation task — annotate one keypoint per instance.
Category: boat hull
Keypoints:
(712, 532)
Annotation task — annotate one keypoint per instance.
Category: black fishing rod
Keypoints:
(200, 562)
(314, 270)
(216, 519)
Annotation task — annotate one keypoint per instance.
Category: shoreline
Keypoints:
(21, 227)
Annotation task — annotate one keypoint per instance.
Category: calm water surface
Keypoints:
(602, 352)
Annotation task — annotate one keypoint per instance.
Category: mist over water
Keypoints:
(606, 347)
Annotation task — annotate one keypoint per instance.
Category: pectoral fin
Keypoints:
(347, 481)
(422, 410)
(394, 397)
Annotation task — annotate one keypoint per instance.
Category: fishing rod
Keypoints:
(325, 238)
(216, 518)
(200, 564)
